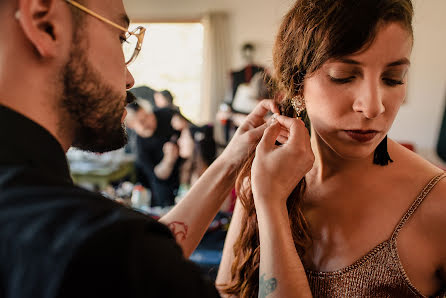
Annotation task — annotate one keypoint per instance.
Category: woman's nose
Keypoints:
(369, 100)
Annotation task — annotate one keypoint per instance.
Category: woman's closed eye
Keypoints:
(341, 80)
(388, 81)
(392, 82)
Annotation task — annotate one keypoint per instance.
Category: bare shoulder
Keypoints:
(412, 165)
(428, 181)
(423, 176)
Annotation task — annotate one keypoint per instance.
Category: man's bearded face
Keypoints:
(95, 108)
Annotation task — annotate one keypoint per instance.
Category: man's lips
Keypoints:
(361, 135)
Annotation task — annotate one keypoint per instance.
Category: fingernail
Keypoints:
(272, 120)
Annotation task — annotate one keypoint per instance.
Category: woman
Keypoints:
(198, 149)
(366, 220)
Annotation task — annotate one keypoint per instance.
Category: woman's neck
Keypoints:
(328, 164)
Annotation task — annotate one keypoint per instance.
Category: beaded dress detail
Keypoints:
(379, 273)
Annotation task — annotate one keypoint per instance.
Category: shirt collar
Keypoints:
(26, 142)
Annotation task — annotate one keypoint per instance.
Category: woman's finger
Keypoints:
(268, 141)
(295, 126)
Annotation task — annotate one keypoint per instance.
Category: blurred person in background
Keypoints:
(157, 158)
(145, 92)
(198, 149)
(164, 99)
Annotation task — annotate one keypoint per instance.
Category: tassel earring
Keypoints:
(298, 104)
(381, 156)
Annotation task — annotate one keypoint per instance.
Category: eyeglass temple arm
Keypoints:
(83, 8)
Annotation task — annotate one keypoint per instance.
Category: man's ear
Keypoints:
(38, 20)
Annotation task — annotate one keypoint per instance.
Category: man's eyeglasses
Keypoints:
(132, 44)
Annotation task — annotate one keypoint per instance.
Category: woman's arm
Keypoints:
(281, 271)
(190, 219)
(224, 271)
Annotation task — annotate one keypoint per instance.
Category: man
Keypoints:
(157, 158)
(145, 92)
(163, 99)
(63, 81)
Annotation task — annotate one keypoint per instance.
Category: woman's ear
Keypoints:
(39, 22)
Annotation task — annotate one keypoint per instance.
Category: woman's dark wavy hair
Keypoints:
(204, 153)
(312, 32)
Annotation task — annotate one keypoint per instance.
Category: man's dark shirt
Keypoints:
(58, 240)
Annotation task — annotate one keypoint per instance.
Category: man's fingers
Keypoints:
(262, 109)
(257, 132)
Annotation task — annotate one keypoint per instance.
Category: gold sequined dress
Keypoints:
(379, 273)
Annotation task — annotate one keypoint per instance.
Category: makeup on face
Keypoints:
(342, 74)
(362, 136)
(346, 69)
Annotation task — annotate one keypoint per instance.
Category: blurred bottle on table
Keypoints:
(140, 198)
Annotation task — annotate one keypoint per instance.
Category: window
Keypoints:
(171, 58)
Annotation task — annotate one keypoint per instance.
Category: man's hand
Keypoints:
(249, 133)
(276, 170)
(171, 152)
(164, 169)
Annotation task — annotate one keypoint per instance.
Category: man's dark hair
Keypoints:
(134, 106)
(248, 46)
(167, 95)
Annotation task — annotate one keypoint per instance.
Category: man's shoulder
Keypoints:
(127, 259)
(66, 215)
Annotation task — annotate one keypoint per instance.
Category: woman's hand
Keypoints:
(249, 133)
(276, 170)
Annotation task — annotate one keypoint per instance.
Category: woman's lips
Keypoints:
(362, 136)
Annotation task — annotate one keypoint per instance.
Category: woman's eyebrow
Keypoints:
(402, 61)
(349, 61)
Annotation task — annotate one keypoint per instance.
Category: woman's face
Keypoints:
(352, 102)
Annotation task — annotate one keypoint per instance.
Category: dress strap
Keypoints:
(416, 204)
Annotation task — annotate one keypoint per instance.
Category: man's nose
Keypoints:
(369, 100)
(130, 81)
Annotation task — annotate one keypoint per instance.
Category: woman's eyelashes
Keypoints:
(341, 80)
(344, 80)
(392, 82)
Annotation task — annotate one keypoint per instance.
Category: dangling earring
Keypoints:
(298, 104)
(381, 156)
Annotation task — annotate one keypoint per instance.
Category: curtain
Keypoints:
(215, 64)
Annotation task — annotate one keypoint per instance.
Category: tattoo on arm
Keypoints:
(266, 287)
(179, 230)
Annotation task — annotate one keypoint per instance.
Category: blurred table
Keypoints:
(97, 171)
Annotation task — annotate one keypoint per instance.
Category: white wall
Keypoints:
(419, 120)
(257, 21)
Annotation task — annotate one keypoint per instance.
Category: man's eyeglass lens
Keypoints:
(130, 46)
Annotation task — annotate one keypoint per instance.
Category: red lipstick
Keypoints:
(362, 136)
